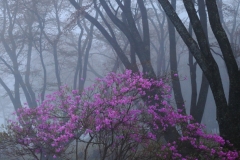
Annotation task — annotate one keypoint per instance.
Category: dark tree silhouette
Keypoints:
(228, 109)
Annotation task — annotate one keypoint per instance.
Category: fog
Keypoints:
(48, 44)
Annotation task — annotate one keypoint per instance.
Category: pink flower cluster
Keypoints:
(115, 110)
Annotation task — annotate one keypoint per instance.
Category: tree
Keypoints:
(31, 33)
(173, 64)
(14, 45)
(227, 110)
(229, 13)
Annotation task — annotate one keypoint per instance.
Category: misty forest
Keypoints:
(120, 79)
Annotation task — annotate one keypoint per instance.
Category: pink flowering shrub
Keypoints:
(122, 115)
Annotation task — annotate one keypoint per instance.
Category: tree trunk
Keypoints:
(227, 113)
(228, 116)
(173, 65)
(197, 109)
